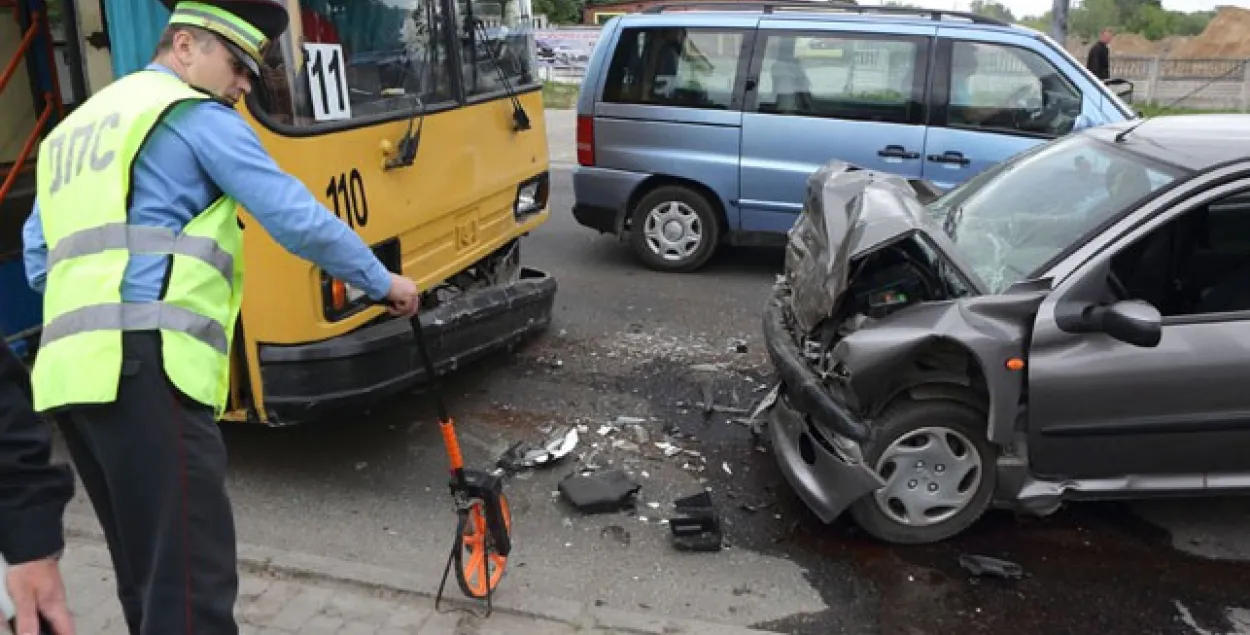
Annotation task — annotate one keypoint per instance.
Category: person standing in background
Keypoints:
(1099, 60)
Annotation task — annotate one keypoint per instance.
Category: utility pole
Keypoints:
(1059, 21)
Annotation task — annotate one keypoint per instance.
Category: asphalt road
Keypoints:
(627, 342)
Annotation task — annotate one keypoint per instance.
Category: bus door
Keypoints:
(39, 49)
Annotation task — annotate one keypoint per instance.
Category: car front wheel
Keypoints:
(938, 470)
(674, 229)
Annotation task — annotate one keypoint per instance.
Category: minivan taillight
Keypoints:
(585, 140)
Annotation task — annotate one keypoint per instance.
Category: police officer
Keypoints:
(135, 242)
(33, 495)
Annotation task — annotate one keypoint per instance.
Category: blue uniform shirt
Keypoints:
(200, 150)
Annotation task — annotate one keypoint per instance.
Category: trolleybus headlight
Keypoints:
(531, 196)
(340, 300)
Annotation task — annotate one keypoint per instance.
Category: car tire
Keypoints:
(687, 214)
(963, 429)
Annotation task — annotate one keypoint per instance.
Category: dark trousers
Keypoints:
(154, 466)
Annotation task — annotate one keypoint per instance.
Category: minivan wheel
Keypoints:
(938, 469)
(674, 229)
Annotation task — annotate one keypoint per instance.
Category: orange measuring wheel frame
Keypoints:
(479, 565)
(484, 530)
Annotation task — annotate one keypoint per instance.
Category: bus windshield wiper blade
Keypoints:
(520, 120)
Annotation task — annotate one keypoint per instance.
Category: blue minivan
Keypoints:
(698, 127)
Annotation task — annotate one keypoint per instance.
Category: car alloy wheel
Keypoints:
(938, 468)
(931, 474)
(673, 231)
(674, 228)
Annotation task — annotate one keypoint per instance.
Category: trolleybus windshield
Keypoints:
(346, 63)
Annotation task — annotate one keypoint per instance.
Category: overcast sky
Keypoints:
(1022, 8)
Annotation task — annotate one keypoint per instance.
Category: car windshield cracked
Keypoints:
(1017, 216)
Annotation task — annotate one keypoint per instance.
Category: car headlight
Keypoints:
(531, 196)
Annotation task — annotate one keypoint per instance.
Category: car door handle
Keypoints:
(897, 152)
(950, 156)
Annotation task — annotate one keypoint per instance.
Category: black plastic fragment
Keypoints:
(985, 565)
(603, 492)
(696, 527)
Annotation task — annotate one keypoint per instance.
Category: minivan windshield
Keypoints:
(1019, 214)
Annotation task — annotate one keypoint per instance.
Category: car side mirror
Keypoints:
(1132, 321)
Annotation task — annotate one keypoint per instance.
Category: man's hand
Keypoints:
(36, 588)
(403, 296)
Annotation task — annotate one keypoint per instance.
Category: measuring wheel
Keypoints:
(478, 561)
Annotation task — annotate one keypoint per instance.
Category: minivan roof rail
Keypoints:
(767, 6)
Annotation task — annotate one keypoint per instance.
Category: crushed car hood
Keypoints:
(850, 212)
(875, 291)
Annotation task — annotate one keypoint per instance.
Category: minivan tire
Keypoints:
(692, 211)
(909, 417)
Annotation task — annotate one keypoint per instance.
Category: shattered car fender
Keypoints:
(891, 357)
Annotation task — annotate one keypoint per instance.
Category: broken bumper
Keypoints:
(806, 389)
(827, 482)
(378, 361)
(803, 422)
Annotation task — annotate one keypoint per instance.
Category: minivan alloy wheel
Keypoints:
(931, 474)
(673, 230)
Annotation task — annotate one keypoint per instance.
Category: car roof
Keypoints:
(718, 11)
(1195, 142)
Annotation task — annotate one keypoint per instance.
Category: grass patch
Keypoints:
(559, 96)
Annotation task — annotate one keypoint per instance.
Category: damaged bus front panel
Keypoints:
(876, 304)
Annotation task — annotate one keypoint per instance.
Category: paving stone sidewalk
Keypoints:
(273, 605)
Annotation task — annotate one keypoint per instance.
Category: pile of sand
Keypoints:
(1134, 44)
(1227, 35)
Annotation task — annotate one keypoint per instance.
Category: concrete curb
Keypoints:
(256, 559)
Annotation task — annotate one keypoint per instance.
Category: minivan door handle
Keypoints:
(950, 156)
(897, 152)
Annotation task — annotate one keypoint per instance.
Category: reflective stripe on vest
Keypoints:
(136, 317)
(142, 240)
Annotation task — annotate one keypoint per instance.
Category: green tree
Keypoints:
(560, 11)
(992, 9)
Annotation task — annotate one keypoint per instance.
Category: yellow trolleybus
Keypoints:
(420, 124)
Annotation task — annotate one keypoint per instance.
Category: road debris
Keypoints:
(523, 455)
(617, 532)
(696, 527)
(985, 565)
(601, 492)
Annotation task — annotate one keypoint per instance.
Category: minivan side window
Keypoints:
(675, 66)
(843, 76)
(1004, 88)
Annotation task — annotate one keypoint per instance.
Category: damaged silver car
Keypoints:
(1073, 323)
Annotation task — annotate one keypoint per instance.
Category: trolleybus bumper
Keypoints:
(380, 360)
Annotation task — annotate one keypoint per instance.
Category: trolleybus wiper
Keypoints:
(520, 120)
(406, 153)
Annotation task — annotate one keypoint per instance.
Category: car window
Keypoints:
(857, 77)
(1016, 217)
(674, 66)
(1195, 264)
(1004, 88)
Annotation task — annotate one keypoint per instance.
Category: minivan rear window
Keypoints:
(675, 66)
